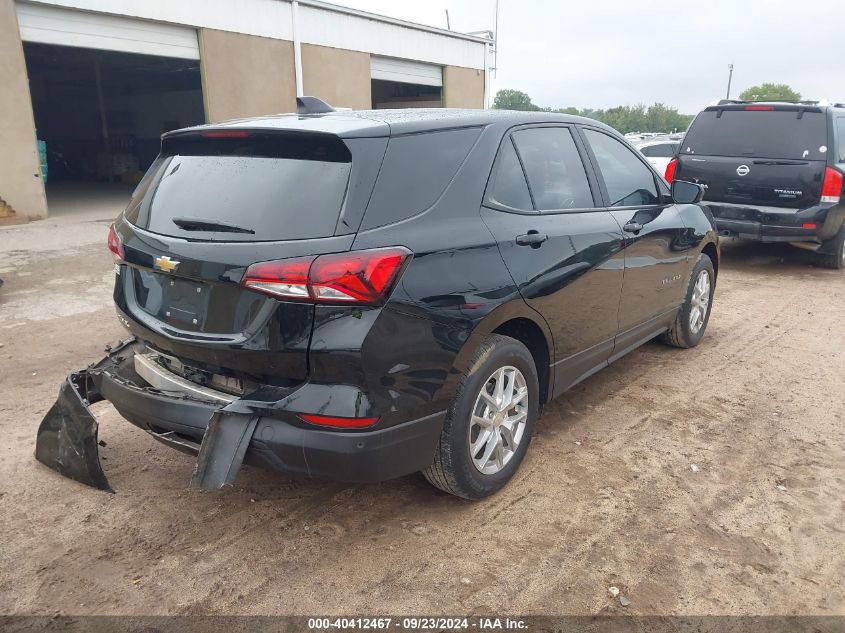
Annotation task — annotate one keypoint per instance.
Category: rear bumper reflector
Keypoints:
(337, 422)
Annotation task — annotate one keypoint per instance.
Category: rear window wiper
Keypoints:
(201, 224)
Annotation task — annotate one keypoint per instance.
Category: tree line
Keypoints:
(641, 118)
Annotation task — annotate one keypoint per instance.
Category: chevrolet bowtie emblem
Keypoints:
(166, 264)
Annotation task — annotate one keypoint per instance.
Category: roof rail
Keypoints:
(821, 102)
(312, 105)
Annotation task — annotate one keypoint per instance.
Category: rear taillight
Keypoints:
(832, 186)
(115, 246)
(286, 278)
(759, 108)
(362, 277)
(337, 422)
(359, 277)
(670, 170)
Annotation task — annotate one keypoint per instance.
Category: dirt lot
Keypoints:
(606, 496)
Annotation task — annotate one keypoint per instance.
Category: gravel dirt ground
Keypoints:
(704, 481)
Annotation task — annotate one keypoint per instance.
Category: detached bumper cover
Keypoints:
(67, 437)
(224, 435)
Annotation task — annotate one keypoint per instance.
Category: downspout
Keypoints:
(486, 76)
(297, 48)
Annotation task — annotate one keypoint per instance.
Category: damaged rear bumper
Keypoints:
(223, 430)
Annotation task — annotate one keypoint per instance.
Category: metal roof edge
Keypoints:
(327, 6)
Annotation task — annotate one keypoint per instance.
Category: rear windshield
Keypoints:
(261, 187)
(758, 134)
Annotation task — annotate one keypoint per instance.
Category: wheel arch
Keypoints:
(518, 321)
(712, 251)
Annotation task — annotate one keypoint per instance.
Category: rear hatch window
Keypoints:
(780, 134)
(231, 185)
(759, 157)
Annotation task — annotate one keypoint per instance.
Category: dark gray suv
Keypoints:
(773, 172)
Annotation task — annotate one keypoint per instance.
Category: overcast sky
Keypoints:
(599, 54)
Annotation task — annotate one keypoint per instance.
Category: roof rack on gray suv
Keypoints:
(795, 101)
(809, 102)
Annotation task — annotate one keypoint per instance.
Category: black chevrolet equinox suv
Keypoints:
(362, 295)
(773, 172)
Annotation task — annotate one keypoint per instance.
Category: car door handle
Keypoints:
(532, 239)
(633, 227)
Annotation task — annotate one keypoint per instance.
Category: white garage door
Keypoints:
(405, 72)
(67, 27)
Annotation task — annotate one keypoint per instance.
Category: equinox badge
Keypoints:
(166, 264)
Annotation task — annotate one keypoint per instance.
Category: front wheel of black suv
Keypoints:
(692, 319)
(488, 427)
(834, 252)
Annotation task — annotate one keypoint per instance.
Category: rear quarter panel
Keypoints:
(700, 230)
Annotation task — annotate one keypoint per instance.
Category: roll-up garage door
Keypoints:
(403, 71)
(68, 27)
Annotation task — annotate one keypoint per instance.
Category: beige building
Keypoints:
(88, 86)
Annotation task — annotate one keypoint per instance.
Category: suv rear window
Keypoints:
(273, 186)
(759, 134)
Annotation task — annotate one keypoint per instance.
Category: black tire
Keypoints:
(681, 333)
(834, 252)
(453, 470)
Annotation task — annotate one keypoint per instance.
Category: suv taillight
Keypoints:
(670, 170)
(358, 277)
(832, 186)
(115, 245)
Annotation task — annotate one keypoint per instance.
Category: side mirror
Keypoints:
(687, 192)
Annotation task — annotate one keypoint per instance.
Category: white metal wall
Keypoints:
(357, 33)
(318, 23)
(67, 27)
(267, 18)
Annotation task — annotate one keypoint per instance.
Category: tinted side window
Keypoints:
(554, 169)
(662, 150)
(840, 126)
(628, 181)
(509, 186)
(416, 170)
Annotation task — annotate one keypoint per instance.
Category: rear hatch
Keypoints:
(213, 203)
(757, 155)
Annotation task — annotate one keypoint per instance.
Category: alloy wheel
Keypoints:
(498, 420)
(699, 302)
